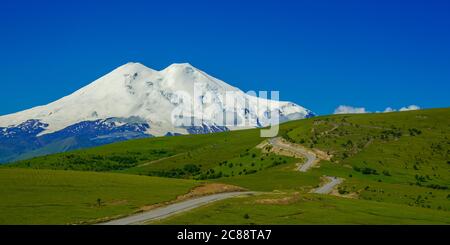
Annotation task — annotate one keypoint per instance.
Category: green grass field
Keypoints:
(30, 196)
(396, 168)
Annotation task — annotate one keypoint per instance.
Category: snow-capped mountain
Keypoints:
(134, 101)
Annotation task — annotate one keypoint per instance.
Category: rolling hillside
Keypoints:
(395, 166)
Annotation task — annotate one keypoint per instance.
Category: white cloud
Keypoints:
(410, 108)
(389, 109)
(344, 109)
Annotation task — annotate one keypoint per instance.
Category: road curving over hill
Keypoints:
(311, 158)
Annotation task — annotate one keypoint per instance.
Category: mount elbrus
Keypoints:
(134, 101)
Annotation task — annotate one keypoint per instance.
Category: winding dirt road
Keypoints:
(311, 158)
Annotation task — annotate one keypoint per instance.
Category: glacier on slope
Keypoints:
(134, 101)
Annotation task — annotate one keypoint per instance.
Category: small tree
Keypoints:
(99, 202)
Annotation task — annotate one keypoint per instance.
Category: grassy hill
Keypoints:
(396, 168)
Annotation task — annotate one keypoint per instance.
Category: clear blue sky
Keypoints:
(319, 54)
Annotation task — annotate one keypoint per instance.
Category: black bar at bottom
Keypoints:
(223, 234)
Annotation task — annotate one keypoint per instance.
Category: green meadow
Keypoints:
(30, 196)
